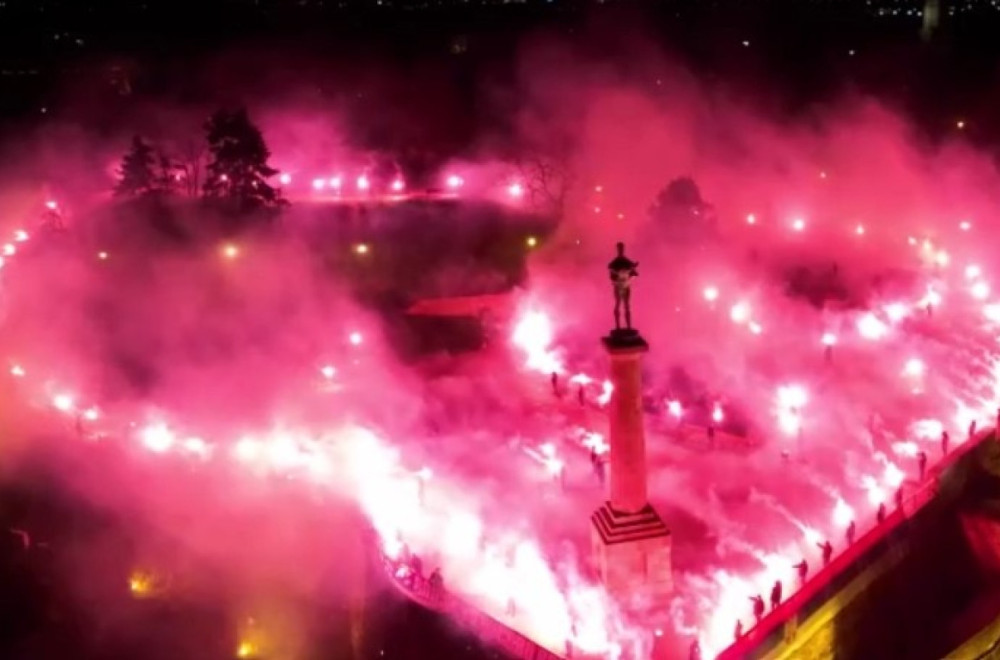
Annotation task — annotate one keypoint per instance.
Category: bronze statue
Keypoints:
(622, 270)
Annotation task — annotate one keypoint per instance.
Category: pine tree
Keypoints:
(238, 171)
(137, 175)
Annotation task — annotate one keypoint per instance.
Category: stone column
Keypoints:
(631, 545)
(627, 438)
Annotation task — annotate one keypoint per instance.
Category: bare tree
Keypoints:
(548, 179)
(189, 160)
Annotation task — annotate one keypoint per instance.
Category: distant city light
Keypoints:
(363, 183)
(355, 338)
(51, 205)
(361, 248)
(285, 178)
(531, 241)
(960, 124)
(454, 181)
(336, 182)
(398, 186)
(102, 255)
(711, 293)
(230, 251)
(319, 184)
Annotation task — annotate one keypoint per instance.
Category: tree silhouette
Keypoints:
(137, 174)
(238, 171)
(682, 213)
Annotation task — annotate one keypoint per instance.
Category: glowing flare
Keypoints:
(247, 450)
(980, 290)
(876, 495)
(739, 312)
(157, 438)
(717, 415)
(790, 399)
(710, 293)
(515, 190)
(454, 181)
(17, 371)
(9, 249)
(932, 297)
(972, 271)
(398, 186)
(843, 514)
(751, 219)
(860, 230)
(246, 649)
(51, 205)
(336, 182)
(285, 178)
(63, 402)
(355, 338)
(607, 389)
(965, 225)
(363, 183)
(870, 327)
(361, 248)
(20, 236)
(798, 224)
(927, 429)
(196, 446)
(318, 184)
(893, 477)
(896, 311)
(829, 339)
(531, 241)
(914, 367)
(328, 371)
(534, 335)
(140, 584)
(675, 408)
(230, 251)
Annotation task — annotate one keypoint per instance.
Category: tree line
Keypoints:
(237, 175)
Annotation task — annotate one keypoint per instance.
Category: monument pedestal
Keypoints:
(631, 553)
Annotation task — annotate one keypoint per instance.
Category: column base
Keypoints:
(631, 553)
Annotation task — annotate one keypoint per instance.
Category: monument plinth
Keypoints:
(630, 543)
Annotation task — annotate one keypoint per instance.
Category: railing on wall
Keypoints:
(768, 633)
(423, 591)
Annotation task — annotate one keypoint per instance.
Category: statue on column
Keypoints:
(622, 270)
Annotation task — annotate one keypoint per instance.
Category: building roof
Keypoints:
(498, 305)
